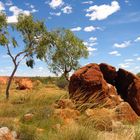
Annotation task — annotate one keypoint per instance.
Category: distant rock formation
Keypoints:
(3, 80)
(24, 83)
(102, 85)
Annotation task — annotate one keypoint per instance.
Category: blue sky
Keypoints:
(109, 28)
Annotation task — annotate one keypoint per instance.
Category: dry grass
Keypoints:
(39, 100)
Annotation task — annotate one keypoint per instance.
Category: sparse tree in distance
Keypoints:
(138, 74)
(33, 41)
(68, 50)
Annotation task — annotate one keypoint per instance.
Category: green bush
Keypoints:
(62, 83)
(138, 74)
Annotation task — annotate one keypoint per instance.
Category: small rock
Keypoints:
(28, 117)
(4, 130)
(124, 112)
(65, 103)
(6, 134)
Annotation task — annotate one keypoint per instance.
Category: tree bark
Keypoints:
(66, 76)
(10, 81)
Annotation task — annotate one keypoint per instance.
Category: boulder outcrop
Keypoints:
(128, 86)
(101, 84)
(109, 73)
(87, 85)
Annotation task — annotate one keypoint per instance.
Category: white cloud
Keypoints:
(40, 69)
(76, 29)
(55, 14)
(124, 65)
(93, 39)
(16, 11)
(125, 44)
(136, 54)
(34, 11)
(103, 11)
(9, 3)
(87, 29)
(2, 6)
(32, 6)
(5, 56)
(137, 39)
(12, 19)
(116, 53)
(90, 28)
(126, 1)
(138, 58)
(67, 9)
(87, 2)
(56, 3)
(137, 67)
(129, 60)
(90, 49)
(90, 44)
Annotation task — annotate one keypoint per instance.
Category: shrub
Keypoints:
(62, 83)
(45, 80)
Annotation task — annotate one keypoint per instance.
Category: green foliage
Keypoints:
(14, 42)
(62, 82)
(3, 30)
(138, 74)
(3, 23)
(35, 37)
(30, 62)
(69, 49)
(33, 33)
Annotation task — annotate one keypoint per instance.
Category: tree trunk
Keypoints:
(10, 81)
(66, 76)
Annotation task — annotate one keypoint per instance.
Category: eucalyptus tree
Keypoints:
(35, 39)
(69, 49)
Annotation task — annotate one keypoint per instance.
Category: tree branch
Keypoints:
(10, 54)
(22, 58)
(20, 54)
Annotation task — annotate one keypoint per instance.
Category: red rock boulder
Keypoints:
(124, 112)
(101, 83)
(87, 85)
(109, 73)
(87, 80)
(128, 86)
(24, 83)
(3, 80)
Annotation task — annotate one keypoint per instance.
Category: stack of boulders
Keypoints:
(102, 86)
(65, 109)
